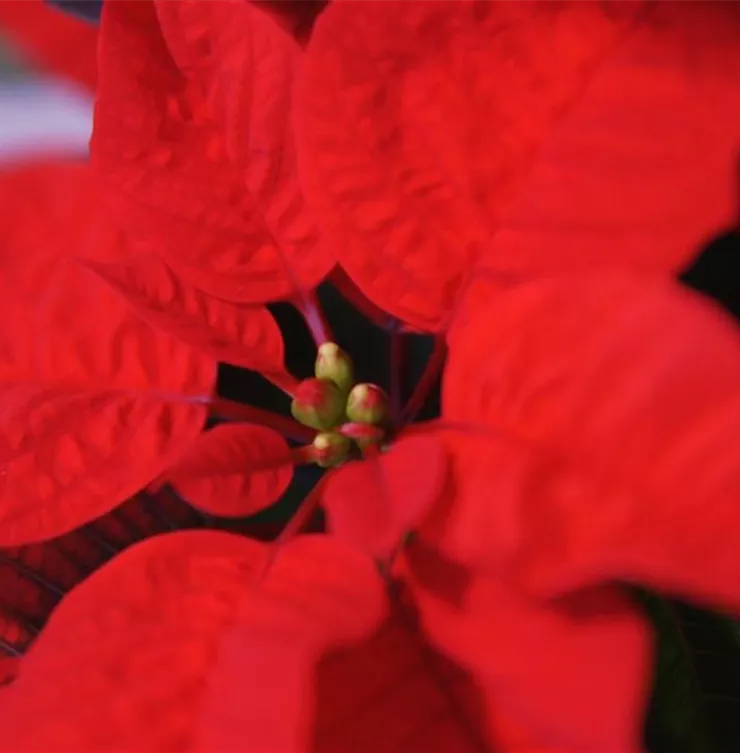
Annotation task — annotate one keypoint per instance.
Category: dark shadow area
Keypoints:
(716, 271)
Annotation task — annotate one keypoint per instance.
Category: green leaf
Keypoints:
(695, 705)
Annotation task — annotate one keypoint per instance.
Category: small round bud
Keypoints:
(367, 404)
(318, 403)
(330, 449)
(334, 364)
(364, 435)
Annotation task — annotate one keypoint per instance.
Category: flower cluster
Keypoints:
(521, 181)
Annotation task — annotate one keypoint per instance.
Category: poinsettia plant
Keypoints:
(517, 181)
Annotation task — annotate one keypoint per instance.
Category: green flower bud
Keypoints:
(330, 449)
(334, 364)
(318, 403)
(367, 404)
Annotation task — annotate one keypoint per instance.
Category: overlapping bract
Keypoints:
(95, 403)
(615, 456)
(437, 138)
(507, 143)
(192, 124)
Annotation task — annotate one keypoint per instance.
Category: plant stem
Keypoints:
(426, 383)
(303, 514)
(310, 308)
(283, 380)
(230, 410)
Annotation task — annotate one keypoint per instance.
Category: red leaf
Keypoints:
(607, 409)
(573, 673)
(393, 693)
(312, 666)
(8, 669)
(93, 403)
(302, 657)
(418, 121)
(372, 503)
(234, 470)
(64, 193)
(198, 160)
(438, 131)
(50, 39)
(642, 170)
(140, 634)
(245, 336)
(319, 595)
(145, 632)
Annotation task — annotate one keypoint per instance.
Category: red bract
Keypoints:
(94, 402)
(375, 502)
(245, 336)
(547, 664)
(574, 402)
(8, 669)
(310, 656)
(69, 195)
(196, 156)
(608, 411)
(234, 470)
(591, 422)
(61, 44)
(522, 137)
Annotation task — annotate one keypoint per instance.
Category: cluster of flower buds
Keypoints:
(344, 413)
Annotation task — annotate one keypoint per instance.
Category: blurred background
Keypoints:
(39, 111)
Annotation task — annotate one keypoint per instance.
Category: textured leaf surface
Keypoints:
(234, 470)
(320, 665)
(140, 634)
(94, 403)
(540, 136)
(417, 122)
(643, 169)
(198, 157)
(245, 336)
(573, 673)
(53, 41)
(145, 633)
(608, 410)
(372, 503)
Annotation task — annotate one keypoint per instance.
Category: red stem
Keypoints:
(302, 516)
(283, 380)
(310, 308)
(233, 411)
(426, 383)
